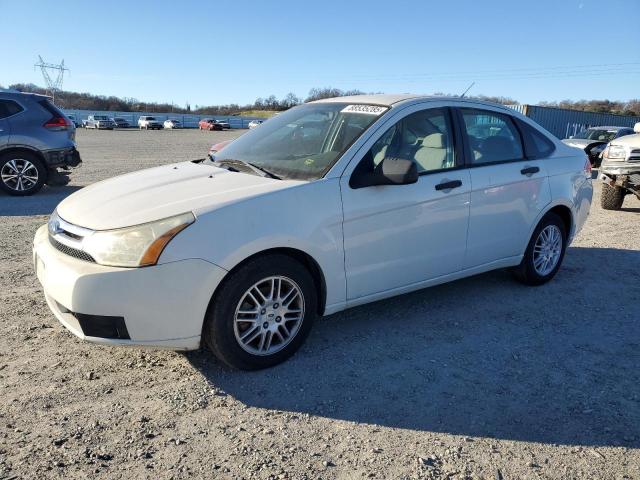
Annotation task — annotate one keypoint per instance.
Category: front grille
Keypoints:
(72, 252)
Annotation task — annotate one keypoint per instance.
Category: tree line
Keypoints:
(88, 101)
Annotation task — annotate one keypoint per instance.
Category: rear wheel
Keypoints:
(544, 254)
(262, 313)
(611, 198)
(21, 173)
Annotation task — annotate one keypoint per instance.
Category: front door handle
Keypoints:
(449, 185)
(529, 170)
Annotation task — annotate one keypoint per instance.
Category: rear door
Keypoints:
(508, 189)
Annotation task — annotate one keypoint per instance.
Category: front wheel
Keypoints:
(262, 313)
(544, 254)
(611, 198)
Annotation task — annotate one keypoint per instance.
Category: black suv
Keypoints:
(37, 143)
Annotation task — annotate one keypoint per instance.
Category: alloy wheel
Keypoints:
(19, 174)
(269, 315)
(547, 250)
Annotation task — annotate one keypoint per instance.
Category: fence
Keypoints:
(187, 120)
(564, 123)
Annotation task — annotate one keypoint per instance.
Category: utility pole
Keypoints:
(55, 79)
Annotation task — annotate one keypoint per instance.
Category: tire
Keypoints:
(611, 198)
(530, 274)
(222, 333)
(35, 173)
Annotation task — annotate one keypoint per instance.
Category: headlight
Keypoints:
(616, 151)
(136, 246)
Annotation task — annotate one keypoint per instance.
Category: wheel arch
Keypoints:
(564, 211)
(300, 256)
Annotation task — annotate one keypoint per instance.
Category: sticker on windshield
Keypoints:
(365, 109)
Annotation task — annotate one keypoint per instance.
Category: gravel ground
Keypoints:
(480, 378)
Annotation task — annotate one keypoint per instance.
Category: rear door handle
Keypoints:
(449, 185)
(529, 170)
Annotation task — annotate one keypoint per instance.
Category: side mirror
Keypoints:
(391, 171)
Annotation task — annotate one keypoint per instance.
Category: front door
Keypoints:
(399, 235)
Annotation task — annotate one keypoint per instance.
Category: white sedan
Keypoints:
(172, 123)
(329, 205)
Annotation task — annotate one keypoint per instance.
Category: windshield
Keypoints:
(596, 134)
(303, 142)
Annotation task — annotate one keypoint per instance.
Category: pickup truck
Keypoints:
(100, 122)
(620, 170)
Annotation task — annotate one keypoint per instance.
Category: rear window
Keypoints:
(536, 144)
(8, 108)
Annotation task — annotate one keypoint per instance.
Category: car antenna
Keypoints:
(468, 88)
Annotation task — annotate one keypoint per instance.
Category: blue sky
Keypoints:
(208, 52)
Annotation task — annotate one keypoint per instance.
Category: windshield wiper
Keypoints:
(263, 172)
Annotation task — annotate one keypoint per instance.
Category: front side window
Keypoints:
(423, 137)
(492, 136)
(303, 142)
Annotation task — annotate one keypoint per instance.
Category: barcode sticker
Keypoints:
(365, 109)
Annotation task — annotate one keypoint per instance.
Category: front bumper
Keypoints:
(621, 167)
(159, 306)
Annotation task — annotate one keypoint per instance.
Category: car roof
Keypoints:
(378, 99)
(17, 93)
(392, 100)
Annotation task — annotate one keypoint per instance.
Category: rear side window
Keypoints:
(8, 108)
(493, 137)
(50, 107)
(536, 144)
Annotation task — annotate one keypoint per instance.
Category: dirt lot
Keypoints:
(480, 378)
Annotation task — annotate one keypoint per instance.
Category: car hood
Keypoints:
(161, 192)
(632, 141)
(578, 142)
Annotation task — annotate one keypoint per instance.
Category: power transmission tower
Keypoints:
(55, 79)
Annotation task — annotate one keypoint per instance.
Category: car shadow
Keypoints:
(482, 357)
(41, 203)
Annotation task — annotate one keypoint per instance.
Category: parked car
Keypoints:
(594, 140)
(333, 204)
(209, 124)
(120, 122)
(216, 147)
(73, 119)
(620, 170)
(255, 123)
(37, 143)
(223, 124)
(172, 123)
(100, 122)
(149, 123)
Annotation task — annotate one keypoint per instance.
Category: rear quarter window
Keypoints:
(536, 144)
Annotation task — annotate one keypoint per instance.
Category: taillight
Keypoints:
(587, 168)
(59, 123)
